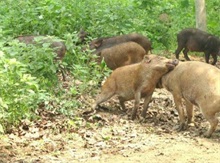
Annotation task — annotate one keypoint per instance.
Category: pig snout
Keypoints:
(171, 64)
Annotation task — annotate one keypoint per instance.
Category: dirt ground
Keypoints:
(109, 136)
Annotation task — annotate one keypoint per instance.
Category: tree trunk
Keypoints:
(200, 14)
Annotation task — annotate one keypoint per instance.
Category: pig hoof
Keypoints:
(142, 120)
(191, 124)
(207, 135)
(94, 106)
(181, 127)
(133, 117)
(89, 112)
(143, 115)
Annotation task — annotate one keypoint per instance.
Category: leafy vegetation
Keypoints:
(28, 73)
(20, 92)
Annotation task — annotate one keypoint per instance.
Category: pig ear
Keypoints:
(98, 43)
(147, 59)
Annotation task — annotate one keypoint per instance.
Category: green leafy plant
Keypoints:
(39, 60)
(20, 93)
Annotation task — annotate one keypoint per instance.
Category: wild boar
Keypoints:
(192, 39)
(122, 54)
(135, 81)
(198, 84)
(106, 42)
(82, 36)
(58, 46)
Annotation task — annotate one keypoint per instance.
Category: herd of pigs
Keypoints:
(136, 73)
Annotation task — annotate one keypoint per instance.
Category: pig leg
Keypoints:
(214, 59)
(146, 103)
(63, 74)
(122, 103)
(179, 108)
(105, 95)
(213, 123)
(207, 55)
(110, 62)
(178, 50)
(136, 104)
(189, 111)
(185, 51)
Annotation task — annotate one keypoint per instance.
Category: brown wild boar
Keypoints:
(82, 36)
(192, 39)
(106, 42)
(135, 81)
(57, 45)
(198, 84)
(122, 54)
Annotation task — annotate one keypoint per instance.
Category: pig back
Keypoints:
(122, 54)
(198, 40)
(141, 40)
(102, 43)
(58, 46)
(26, 39)
(193, 79)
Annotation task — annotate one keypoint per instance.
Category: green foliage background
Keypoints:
(159, 20)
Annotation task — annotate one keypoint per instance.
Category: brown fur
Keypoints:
(58, 46)
(198, 84)
(82, 36)
(122, 54)
(135, 81)
(106, 42)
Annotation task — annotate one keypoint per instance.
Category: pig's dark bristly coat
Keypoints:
(106, 42)
(192, 39)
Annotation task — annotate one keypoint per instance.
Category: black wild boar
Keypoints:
(135, 81)
(106, 42)
(122, 54)
(193, 39)
(198, 84)
(58, 46)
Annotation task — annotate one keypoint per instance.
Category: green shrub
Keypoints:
(38, 59)
(20, 93)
